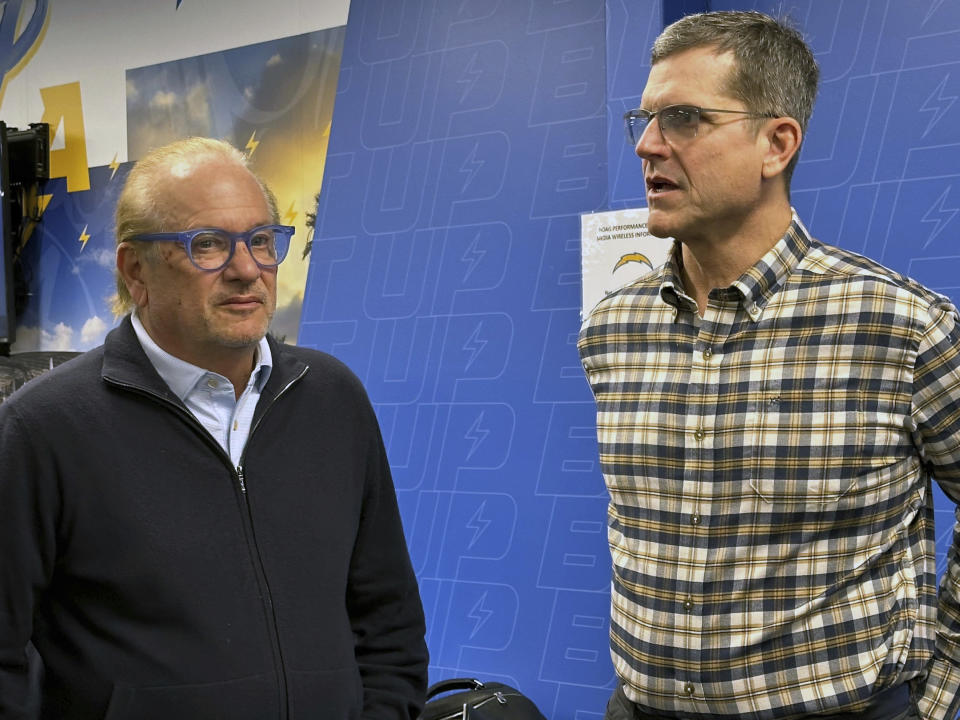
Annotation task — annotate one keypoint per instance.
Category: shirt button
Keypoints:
(689, 689)
(212, 383)
(699, 434)
(695, 519)
(708, 352)
(688, 604)
(753, 311)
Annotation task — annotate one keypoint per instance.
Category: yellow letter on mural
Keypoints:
(61, 105)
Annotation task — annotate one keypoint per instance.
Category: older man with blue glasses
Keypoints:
(199, 522)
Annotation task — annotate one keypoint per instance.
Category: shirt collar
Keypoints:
(758, 283)
(182, 376)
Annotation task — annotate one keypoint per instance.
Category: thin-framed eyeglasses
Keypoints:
(212, 249)
(676, 122)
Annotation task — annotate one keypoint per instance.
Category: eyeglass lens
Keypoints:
(212, 249)
(679, 122)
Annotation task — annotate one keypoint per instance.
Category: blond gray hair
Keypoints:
(141, 210)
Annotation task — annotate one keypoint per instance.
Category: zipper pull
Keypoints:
(243, 487)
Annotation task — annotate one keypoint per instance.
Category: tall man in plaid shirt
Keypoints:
(771, 411)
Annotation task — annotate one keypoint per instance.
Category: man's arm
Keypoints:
(937, 413)
(27, 536)
(383, 601)
(941, 695)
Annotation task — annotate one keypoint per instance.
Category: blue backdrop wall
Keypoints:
(467, 139)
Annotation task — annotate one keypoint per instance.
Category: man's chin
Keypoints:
(658, 223)
(242, 337)
(660, 229)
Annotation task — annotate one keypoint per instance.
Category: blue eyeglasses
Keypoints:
(211, 249)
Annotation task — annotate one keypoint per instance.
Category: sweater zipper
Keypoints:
(241, 482)
(268, 594)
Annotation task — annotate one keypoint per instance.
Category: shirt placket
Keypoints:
(705, 362)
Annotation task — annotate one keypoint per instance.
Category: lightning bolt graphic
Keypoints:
(468, 78)
(478, 524)
(938, 106)
(113, 166)
(252, 144)
(474, 345)
(479, 614)
(933, 8)
(83, 239)
(42, 202)
(290, 215)
(476, 434)
(632, 257)
(471, 166)
(472, 256)
(939, 215)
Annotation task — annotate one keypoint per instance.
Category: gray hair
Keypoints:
(775, 72)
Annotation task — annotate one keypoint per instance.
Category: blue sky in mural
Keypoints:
(214, 94)
(273, 100)
(68, 262)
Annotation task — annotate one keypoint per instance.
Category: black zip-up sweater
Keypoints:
(158, 581)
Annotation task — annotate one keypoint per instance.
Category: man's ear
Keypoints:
(131, 266)
(783, 136)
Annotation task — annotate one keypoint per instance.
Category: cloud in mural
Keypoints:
(274, 60)
(163, 100)
(105, 258)
(198, 103)
(170, 112)
(60, 338)
(92, 332)
(101, 257)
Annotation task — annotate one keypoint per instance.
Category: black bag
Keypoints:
(478, 701)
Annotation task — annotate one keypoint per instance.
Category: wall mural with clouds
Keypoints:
(140, 79)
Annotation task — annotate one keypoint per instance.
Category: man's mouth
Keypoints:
(242, 301)
(658, 185)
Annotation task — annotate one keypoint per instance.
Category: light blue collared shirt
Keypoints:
(210, 396)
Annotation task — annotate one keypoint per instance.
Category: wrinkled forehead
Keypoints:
(698, 76)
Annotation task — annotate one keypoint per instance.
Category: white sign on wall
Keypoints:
(615, 249)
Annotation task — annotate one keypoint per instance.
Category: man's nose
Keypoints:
(651, 142)
(242, 265)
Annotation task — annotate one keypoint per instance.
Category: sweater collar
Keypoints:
(126, 364)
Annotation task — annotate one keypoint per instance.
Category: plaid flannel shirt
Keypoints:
(769, 467)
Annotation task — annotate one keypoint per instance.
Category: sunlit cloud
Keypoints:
(92, 332)
(29, 339)
(163, 100)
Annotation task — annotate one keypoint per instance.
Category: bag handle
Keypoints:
(453, 684)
